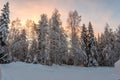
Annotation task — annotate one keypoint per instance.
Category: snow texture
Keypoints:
(23, 71)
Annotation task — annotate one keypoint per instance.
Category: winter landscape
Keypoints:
(59, 40)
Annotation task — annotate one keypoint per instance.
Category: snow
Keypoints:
(117, 66)
(24, 71)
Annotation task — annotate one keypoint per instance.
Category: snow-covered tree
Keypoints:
(92, 52)
(31, 35)
(99, 49)
(17, 41)
(107, 47)
(43, 39)
(63, 49)
(4, 21)
(32, 55)
(76, 54)
(84, 42)
(116, 55)
(58, 45)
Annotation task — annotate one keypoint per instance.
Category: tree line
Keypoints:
(49, 42)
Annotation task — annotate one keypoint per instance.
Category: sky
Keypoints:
(99, 12)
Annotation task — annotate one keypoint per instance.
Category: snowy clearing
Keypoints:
(24, 71)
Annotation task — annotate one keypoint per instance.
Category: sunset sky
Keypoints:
(99, 12)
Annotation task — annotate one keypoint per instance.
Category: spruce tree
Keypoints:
(4, 21)
(92, 47)
(117, 45)
(84, 41)
(108, 46)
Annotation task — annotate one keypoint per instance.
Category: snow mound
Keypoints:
(117, 66)
(24, 71)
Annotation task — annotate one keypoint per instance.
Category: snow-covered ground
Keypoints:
(23, 71)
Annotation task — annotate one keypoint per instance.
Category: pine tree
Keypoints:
(92, 47)
(84, 41)
(108, 46)
(100, 60)
(43, 38)
(116, 55)
(4, 21)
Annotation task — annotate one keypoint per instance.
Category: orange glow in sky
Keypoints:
(98, 11)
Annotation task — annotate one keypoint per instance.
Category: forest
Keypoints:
(49, 42)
